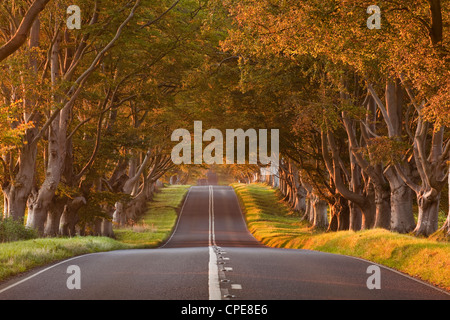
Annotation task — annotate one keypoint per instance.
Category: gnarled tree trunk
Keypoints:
(40, 200)
(355, 219)
(69, 217)
(365, 202)
(17, 191)
(53, 218)
(428, 203)
(402, 218)
(320, 214)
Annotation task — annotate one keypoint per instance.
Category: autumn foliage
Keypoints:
(86, 115)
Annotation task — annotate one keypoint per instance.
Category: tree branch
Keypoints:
(160, 16)
(21, 34)
(100, 55)
(406, 179)
(383, 110)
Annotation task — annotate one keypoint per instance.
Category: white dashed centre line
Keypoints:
(213, 270)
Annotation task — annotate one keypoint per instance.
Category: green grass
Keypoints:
(21, 256)
(156, 225)
(274, 224)
(11, 230)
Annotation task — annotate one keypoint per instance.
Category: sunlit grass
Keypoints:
(157, 224)
(272, 222)
(20, 256)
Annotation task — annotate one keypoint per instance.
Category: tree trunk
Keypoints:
(137, 206)
(39, 202)
(368, 208)
(38, 205)
(309, 202)
(343, 212)
(320, 214)
(446, 227)
(107, 228)
(366, 202)
(97, 227)
(402, 218)
(299, 196)
(53, 217)
(374, 172)
(16, 194)
(355, 216)
(355, 222)
(431, 167)
(127, 211)
(118, 215)
(69, 217)
(5, 207)
(382, 207)
(67, 223)
(106, 225)
(15, 200)
(340, 214)
(300, 203)
(310, 209)
(427, 222)
(52, 223)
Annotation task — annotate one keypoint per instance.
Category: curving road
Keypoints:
(211, 256)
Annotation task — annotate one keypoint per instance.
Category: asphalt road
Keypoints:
(211, 256)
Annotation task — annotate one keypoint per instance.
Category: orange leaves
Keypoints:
(385, 150)
(12, 129)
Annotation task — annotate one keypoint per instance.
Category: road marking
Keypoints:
(236, 286)
(213, 277)
(42, 271)
(178, 221)
(395, 271)
(213, 269)
(212, 236)
(243, 218)
(77, 257)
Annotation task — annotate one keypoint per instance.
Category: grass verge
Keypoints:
(275, 225)
(156, 225)
(20, 256)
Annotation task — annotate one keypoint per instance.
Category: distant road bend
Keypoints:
(212, 255)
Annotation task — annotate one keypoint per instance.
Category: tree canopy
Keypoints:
(363, 113)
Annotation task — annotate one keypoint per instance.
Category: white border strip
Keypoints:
(213, 277)
(178, 221)
(395, 271)
(213, 269)
(357, 258)
(77, 257)
(42, 271)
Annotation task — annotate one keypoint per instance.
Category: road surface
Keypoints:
(211, 256)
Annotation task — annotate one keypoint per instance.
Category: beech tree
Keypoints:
(69, 96)
(405, 53)
(62, 102)
(87, 115)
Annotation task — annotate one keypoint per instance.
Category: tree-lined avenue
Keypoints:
(181, 268)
